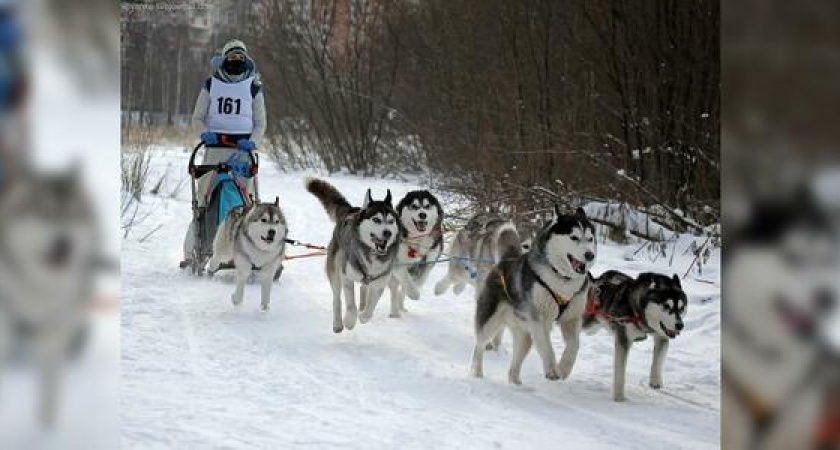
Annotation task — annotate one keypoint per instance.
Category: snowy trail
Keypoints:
(198, 374)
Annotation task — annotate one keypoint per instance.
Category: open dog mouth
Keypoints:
(380, 246)
(421, 225)
(59, 253)
(577, 265)
(800, 323)
(670, 333)
(268, 239)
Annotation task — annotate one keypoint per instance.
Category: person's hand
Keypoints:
(209, 138)
(10, 33)
(246, 145)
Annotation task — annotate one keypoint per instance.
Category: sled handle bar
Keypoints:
(191, 168)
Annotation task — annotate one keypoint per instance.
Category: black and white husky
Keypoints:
(651, 304)
(49, 253)
(779, 345)
(421, 216)
(529, 292)
(254, 238)
(363, 250)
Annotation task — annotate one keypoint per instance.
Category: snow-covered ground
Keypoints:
(197, 373)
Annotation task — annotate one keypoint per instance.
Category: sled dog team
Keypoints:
(526, 279)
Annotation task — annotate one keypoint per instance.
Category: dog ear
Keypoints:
(368, 199)
(580, 212)
(277, 201)
(676, 279)
(388, 197)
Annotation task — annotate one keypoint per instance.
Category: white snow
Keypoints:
(197, 373)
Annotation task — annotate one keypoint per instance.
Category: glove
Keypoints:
(246, 145)
(239, 167)
(209, 138)
(10, 34)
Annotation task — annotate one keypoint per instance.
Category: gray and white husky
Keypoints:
(651, 304)
(528, 292)
(49, 256)
(363, 250)
(421, 215)
(254, 238)
(478, 247)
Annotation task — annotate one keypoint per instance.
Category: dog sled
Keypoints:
(217, 189)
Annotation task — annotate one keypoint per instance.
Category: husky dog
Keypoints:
(49, 256)
(421, 216)
(652, 304)
(527, 232)
(363, 249)
(477, 247)
(529, 292)
(254, 238)
(779, 342)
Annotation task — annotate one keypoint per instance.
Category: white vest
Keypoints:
(231, 107)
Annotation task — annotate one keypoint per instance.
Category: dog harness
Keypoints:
(366, 278)
(414, 247)
(562, 302)
(593, 312)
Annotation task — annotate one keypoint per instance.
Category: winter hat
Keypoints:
(233, 45)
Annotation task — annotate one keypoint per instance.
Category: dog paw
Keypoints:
(476, 373)
(364, 318)
(656, 384)
(514, 379)
(265, 308)
(337, 329)
(491, 347)
(552, 375)
(459, 288)
(394, 315)
(412, 292)
(564, 370)
(619, 398)
(440, 288)
(235, 301)
(350, 320)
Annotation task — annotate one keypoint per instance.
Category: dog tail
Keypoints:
(510, 245)
(334, 203)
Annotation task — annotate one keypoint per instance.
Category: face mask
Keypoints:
(234, 67)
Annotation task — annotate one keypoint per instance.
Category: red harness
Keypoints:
(413, 252)
(592, 312)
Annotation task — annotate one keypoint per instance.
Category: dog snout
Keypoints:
(271, 234)
(679, 326)
(825, 300)
(386, 234)
(422, 216)
(589, 256)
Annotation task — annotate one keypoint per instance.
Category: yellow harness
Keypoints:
(559, 299)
